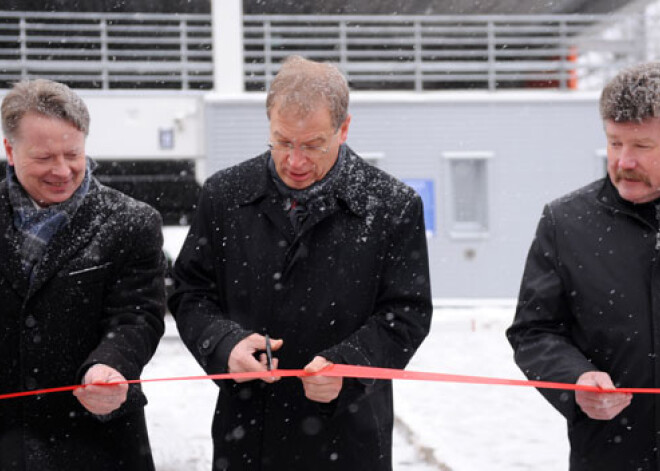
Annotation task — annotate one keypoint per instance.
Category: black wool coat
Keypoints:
(590, 300)
(353, 287)
(97, 297)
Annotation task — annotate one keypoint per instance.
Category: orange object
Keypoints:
(572, 82)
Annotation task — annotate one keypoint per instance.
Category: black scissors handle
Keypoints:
(269, 354)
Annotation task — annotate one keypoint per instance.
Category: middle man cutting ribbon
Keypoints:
(328, 255)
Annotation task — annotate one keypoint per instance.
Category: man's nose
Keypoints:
(60, 167)
(296, 157)
(627, 158)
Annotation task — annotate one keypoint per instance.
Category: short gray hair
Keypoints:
(633, 95)
(302, 83)
(52, 99)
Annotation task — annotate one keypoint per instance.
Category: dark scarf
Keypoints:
(318, 197)
(38, 225)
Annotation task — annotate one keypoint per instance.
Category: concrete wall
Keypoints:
(542, 145)
(128, 124)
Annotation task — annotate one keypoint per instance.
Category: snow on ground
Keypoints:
(179, 414)
(477, 427)
(173, 239)
(456, 427)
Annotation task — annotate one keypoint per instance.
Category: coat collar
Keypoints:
(349, 190)
(609, 196)
(61, 248)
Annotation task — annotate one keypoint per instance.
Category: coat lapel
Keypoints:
(69, 240)
(317, 216)
(261, 192)
(348, 191)
(271, 206)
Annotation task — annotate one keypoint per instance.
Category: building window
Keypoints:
(601, 163)
(467, 197)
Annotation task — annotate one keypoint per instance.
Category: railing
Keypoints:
(439, 52)
(398, 52)
(102, 50)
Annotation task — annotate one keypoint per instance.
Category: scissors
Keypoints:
(269, 354)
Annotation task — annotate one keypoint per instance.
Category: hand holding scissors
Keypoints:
(242, 357)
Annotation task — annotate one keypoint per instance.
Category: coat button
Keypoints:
(206, 344)
(33, 445)
(30, 321)
(30, 383)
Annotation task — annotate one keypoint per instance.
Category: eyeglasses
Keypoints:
(313, 152)
(282, 147)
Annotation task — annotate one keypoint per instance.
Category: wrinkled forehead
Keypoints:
(298, 106)
(43, 128)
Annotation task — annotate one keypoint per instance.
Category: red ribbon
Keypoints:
(352, 371)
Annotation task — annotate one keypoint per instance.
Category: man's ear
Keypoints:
(343, 129)
(9, 151)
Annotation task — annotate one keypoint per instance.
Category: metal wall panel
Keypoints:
(543, 145)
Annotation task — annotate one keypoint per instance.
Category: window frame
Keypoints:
(477, 229)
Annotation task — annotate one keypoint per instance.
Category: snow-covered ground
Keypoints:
(457, 427)
(478, 427)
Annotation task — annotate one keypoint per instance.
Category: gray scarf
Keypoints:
(320, 196)
(37, 226)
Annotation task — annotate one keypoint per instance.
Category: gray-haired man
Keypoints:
(589, 306)
(81, 294)
(310, 244)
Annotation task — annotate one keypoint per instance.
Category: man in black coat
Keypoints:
(326, 254)
(589, 306)
(81, 284)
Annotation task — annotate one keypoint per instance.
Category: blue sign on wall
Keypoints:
(425, 189)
